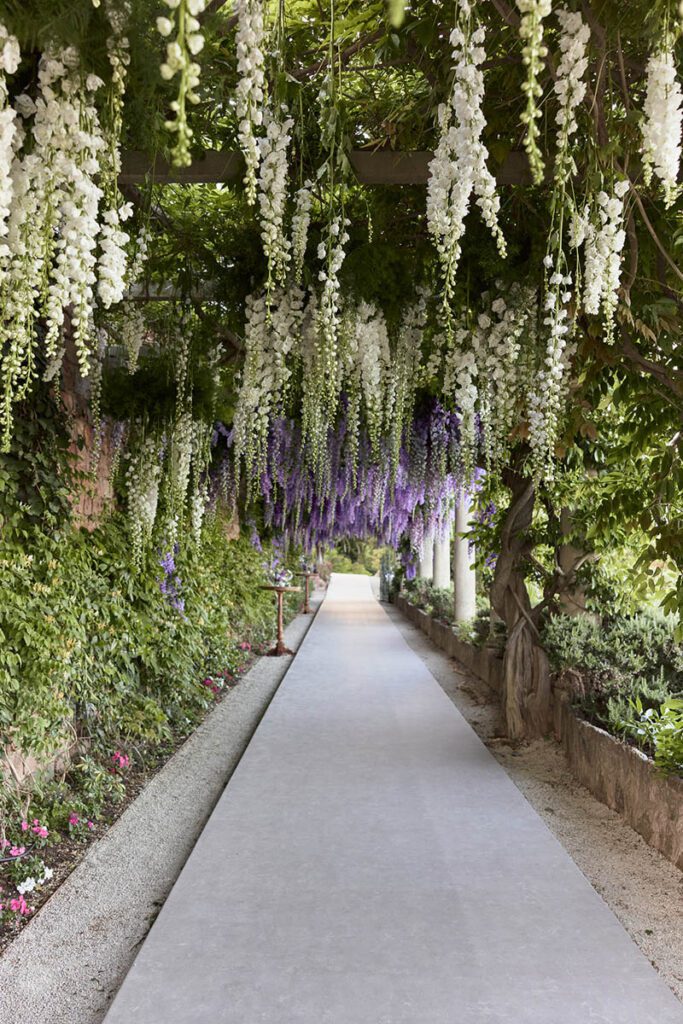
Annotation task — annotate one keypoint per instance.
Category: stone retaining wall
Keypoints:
(617, 774)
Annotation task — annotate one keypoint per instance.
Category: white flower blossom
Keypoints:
(249, 98)
(570, 89)
(272, 193)
(458, 169)
(534, 53)
(662, 122)
(301, 220)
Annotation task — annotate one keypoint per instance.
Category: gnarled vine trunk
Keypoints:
(526, 674)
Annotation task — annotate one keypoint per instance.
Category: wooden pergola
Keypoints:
(381, 167)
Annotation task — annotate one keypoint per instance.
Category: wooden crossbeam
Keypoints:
(381, 167)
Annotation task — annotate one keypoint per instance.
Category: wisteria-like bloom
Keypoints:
(534, 52)
(570, 89)
(300, 223)
(9, 61)
(180, 52)
(272, 194)
(604, 244)
(458, 169)
(249, 98)
(662, 122)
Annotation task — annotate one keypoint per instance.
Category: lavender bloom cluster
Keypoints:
(170, 584)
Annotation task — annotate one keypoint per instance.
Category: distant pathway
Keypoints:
(370, 863)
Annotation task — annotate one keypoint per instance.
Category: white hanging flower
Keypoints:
(301, 220)
(373, 360)
(9, 135)
(249, 97)
(179, 53)
(663, 119)
(268, 343)
(133, 334)
(458, 169)
(272, 193)
(534, 52)
(142, 479)
(569, 86)
(603, 247)
(332, 251)
(460, 386)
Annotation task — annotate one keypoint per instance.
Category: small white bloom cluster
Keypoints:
(188, 42)
(331, 252)
(10, 56)
(461, 385)
(112, 268)
(142, 482)
(662, 122)
(133, 334)
(604, 243)
(301, 220)
(272, 194)
(271, 334)
(139, 255)
(570, 88)
(29, 884)
(546, 398)
(534, 53)
(406, 374)
(497, 346)
(66, 111)
(458, 169)
(373, 359)
(249, 98)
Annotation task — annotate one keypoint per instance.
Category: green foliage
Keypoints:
(92, 651)
(630, 670)
(657, 730)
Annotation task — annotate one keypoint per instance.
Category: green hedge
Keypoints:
(91, 648)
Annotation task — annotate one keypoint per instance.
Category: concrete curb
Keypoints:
(66, 965)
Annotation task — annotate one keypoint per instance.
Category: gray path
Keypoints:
(64, 967)
(370, 863)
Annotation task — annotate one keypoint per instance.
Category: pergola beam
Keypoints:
(381, 167)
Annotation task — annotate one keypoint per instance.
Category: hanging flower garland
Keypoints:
(604, 243)
(534, 53)
(458, 169)
(373, 361)
(272, 194)
(250, 95)
(301, 220)
(112, 269)
(569, 86)
(404, 377)
(133, 333)
(10, 56)
(546, 395)
(188, 42)
(143, 478)
(662, 122)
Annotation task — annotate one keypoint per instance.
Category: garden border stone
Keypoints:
(619, 775)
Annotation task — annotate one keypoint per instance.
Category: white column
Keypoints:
(442, 559)
(464, 579)
(425, 569)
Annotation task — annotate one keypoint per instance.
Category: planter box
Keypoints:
(617, 774)
(478, 660)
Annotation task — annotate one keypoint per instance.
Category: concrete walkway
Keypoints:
(370, 863)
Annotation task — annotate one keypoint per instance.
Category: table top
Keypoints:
(283, 590)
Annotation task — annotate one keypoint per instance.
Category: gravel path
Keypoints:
(642, 888)
(66, 965)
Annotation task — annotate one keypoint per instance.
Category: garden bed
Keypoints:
(618, 774)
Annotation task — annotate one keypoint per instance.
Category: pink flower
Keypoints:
(40, 830)
(91, 825)
(4, 843)
(20, 906)
(73, 819)
(17, 851)
(24, 826)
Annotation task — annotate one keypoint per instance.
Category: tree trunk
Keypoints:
(526, 676)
